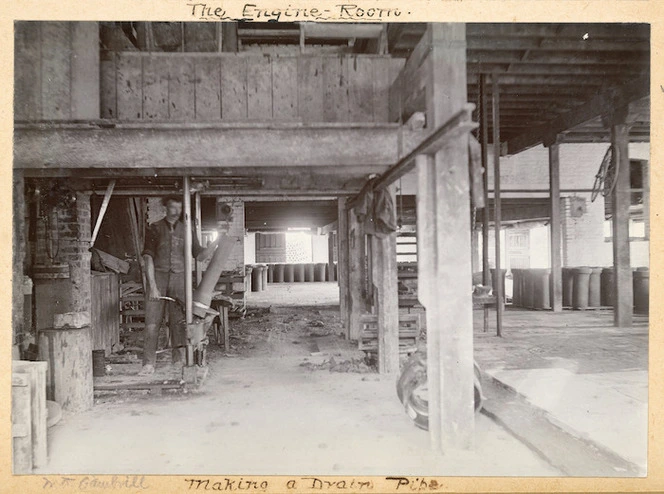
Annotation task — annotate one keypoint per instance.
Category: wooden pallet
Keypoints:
(132, 309)
(409, 333)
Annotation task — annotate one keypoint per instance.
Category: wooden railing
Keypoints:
(246, 87)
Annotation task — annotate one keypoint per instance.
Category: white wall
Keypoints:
(319, 248)
(250, 248)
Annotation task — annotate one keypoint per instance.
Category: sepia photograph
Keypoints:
(329, 251)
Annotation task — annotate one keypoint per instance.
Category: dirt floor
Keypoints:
(291, 396)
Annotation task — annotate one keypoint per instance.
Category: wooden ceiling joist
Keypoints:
(597, 106)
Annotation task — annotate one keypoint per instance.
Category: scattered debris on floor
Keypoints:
(357, 365)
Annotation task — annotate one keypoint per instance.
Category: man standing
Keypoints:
(164, 269)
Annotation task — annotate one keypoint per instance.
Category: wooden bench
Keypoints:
(409, 333)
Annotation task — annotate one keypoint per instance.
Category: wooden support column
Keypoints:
(645, 174)
(356, 273)
(385, 280)
(342, 263)
(230, 41)
(556, 279)
(484, 138)
(497, 218)
(444, 262)
(622, 270)
(330, 254)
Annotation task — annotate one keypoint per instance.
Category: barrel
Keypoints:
(542, 292)
(319, 271)
(568, 286)
(248, 269)
(641, 286)
(594, 287)
(270, 273)
(581, 288)
(278, 275)
(264, 274)
(309, 271)
(289, 273)
(98, 363)
(495, 281)
(606, 287)
(528, 295)
(256, 278)
(516, 286)
(298, 272)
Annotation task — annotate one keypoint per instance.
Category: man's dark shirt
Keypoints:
(165, 244)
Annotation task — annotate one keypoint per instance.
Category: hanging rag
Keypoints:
(476, 172)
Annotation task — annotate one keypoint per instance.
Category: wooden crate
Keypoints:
(21, 428)
(105, 323)
(35, 372)
(409, 333)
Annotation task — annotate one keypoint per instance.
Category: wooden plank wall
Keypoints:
(105, 317)
(56, 72)
(239, 87)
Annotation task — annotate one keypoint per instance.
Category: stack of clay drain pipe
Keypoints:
(583, 288)
(260, 275)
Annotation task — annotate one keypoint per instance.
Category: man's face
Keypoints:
(173, 209)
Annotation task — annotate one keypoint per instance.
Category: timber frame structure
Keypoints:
(102, 118)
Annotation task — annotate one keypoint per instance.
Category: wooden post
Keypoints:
(645, 184)
(69, 379)
(444, 264)
(484, 135)
(356, 274)
(500, 296)
(230, 41)
(622, 271)
(188, 289)
(342, 262)
(556, 279)
(199, 233)
(330, 255)
(384, 267)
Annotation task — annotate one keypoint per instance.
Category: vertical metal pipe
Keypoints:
(500, 296)
(188, 289)
(199, 233)
(484, 136)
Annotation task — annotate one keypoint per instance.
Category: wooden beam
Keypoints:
(500, 296)
(587, 47)
(384, 267)
(356, 273)
(329, 228)
(61, 146)
(459, 125)
(342, 263)
(597, 106)
(621, 200)
(338, 30)
(556, 279)
(444, 262)
(102, 211)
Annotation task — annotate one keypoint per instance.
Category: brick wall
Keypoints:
(234, 229)
(18, 251)
(67, 234)
(583, 231)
